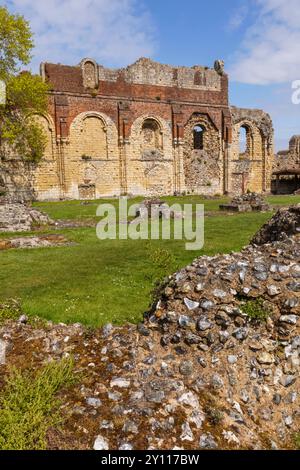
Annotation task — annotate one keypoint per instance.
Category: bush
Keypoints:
(29, 407)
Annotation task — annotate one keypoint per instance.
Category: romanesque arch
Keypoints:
(249, 166)
(88, 136)
(150, 166)
(201, 155)
(246, 147)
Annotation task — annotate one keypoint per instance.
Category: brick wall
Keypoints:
(98, 144)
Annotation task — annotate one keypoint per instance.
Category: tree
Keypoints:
(26, 93)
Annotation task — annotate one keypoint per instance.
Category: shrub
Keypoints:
(29, 406)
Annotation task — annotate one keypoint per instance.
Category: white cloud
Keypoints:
(113, 32)
(270, 50)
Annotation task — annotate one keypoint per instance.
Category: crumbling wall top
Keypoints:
(259, 117)
(142, 72)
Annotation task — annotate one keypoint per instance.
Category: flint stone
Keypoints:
(186, 368)
(94, 402)
(265, 358)
(101, 443)
(130, 428)
(143, 330)
(189, 399)
(126, 446)
(107, 329)
(217, 381)
(240, 334)
(273, 290)
(184, 321)
(3, 347)
(290, 319)
(220, 294)
(155, 396)
(207, 442)
(120, 382)
(190, 304)
(203, 324)
(207, 304)
(232, 359)
(288, 380)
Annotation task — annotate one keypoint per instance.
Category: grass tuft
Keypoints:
(297, 440)
(29, 405)
(255, 309)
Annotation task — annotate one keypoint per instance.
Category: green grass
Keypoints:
(29, 405)
(87, 210)
(95, 282)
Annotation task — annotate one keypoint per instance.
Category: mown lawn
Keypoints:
(93, 281)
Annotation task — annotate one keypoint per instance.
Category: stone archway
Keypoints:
(92, 158)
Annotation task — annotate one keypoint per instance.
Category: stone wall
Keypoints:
(286, 169)
(16, 179)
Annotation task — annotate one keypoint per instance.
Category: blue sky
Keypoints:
(259, 40)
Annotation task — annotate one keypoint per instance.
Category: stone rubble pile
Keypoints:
(155, 207)
(286, 222)
(17, 217)
(214, 365)
(247, 203)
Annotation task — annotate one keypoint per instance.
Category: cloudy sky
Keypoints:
(258, 39)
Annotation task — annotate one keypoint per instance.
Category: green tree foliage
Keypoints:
(26, 93)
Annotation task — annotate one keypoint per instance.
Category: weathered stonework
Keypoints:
(132, 131)
(251, 170)
(16, 217)
(202, 167)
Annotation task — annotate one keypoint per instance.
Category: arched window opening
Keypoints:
(199, 137)
(243, 141)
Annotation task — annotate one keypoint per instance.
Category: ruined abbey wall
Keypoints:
(148, 129)
(251, 170)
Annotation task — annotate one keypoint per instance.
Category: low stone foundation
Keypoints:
(246, 203)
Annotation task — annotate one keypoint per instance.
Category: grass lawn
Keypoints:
(95, 281)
